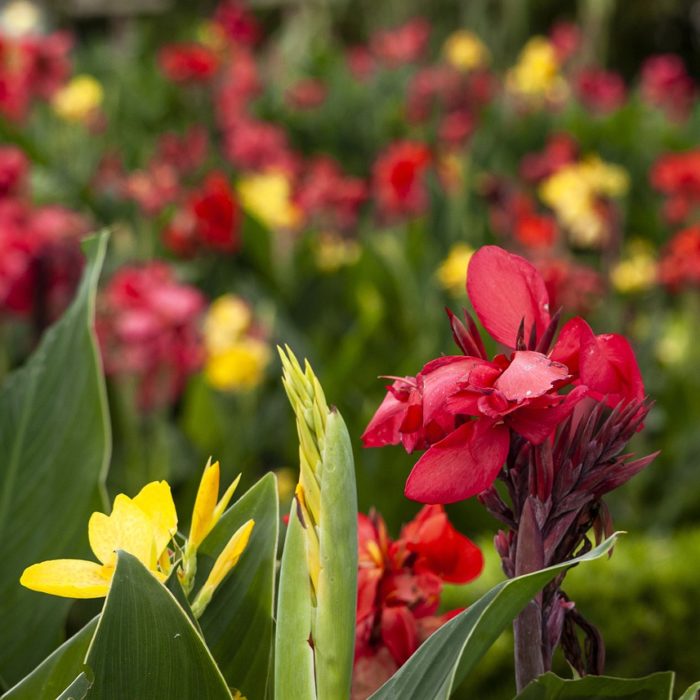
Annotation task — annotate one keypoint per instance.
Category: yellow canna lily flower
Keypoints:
(142, 526)
(207, 511)
(228, 558)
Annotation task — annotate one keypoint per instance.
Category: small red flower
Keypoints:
(401, 45)
(148, 328)
(14, 168)
(677, 175)
(399, 588)
(188, 63)
(237, 23)
(209, 219)
(306, 94)
(665, 83)
(560, 150)
(600, 90)
(465, 408)
(399, 174)
(680, 262)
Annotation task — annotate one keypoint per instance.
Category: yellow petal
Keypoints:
(70, 578)
(127, 528)
(204, 504)
(224, 501)
(229, 556)
(156, 501)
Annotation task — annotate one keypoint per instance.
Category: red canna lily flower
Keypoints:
(399, 587)
(464, 409)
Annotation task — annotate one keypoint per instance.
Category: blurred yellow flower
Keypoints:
(464, 51)
(536, 74)
(268, 197)
(240, 367)
(142, 526)
(573, 192)
(79, 99)
(452, 273)
(636, 272)
(226, 321)
(236, 359)
(333, 251)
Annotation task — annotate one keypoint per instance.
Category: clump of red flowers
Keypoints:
(32, 67)
(680, 261)
(209, 219)
(188, 63)
(600, 91)
(329, 198)
(399, 175)
(40, 259)
(399, 587)
(677, 175)
(400, 45)
(148, 326)
(666, 84)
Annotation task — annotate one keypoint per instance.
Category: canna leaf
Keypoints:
(54, 439)
(145, 645)
(657, 686)
(446, 658)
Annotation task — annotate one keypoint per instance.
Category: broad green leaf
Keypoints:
(237, 623)
(693, 693)
(294, 656)
(145, 646)
(58, 670)
(77, 690)
(448, 655)
(658, 686)
(174, 586)
(54, 451)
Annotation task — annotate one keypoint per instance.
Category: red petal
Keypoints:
(461, 465)
(443, 550)
(399, 632)
(505, 289)
(609, 368)
(575, 336)
(385, 426)
(440, 379)
(530, 375)
(537, 422)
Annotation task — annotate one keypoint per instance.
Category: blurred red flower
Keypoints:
(677, 175)
(463, 408)
(665, 83)
(14, 168)
(680, 262)
(237, 22)
(328, 197)
(306, 94)
(209, 219)
(185, 63)
(399, 179)
(600, 90)
(403, 44)
(148, 326)
(399, 587)
(560, 150)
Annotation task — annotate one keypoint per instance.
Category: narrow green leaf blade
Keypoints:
(145, 645)
(58, 670)
(237, 623)
(657, 686)
(54, 439)
(334, 636)
(448, 655)
(294, 655)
